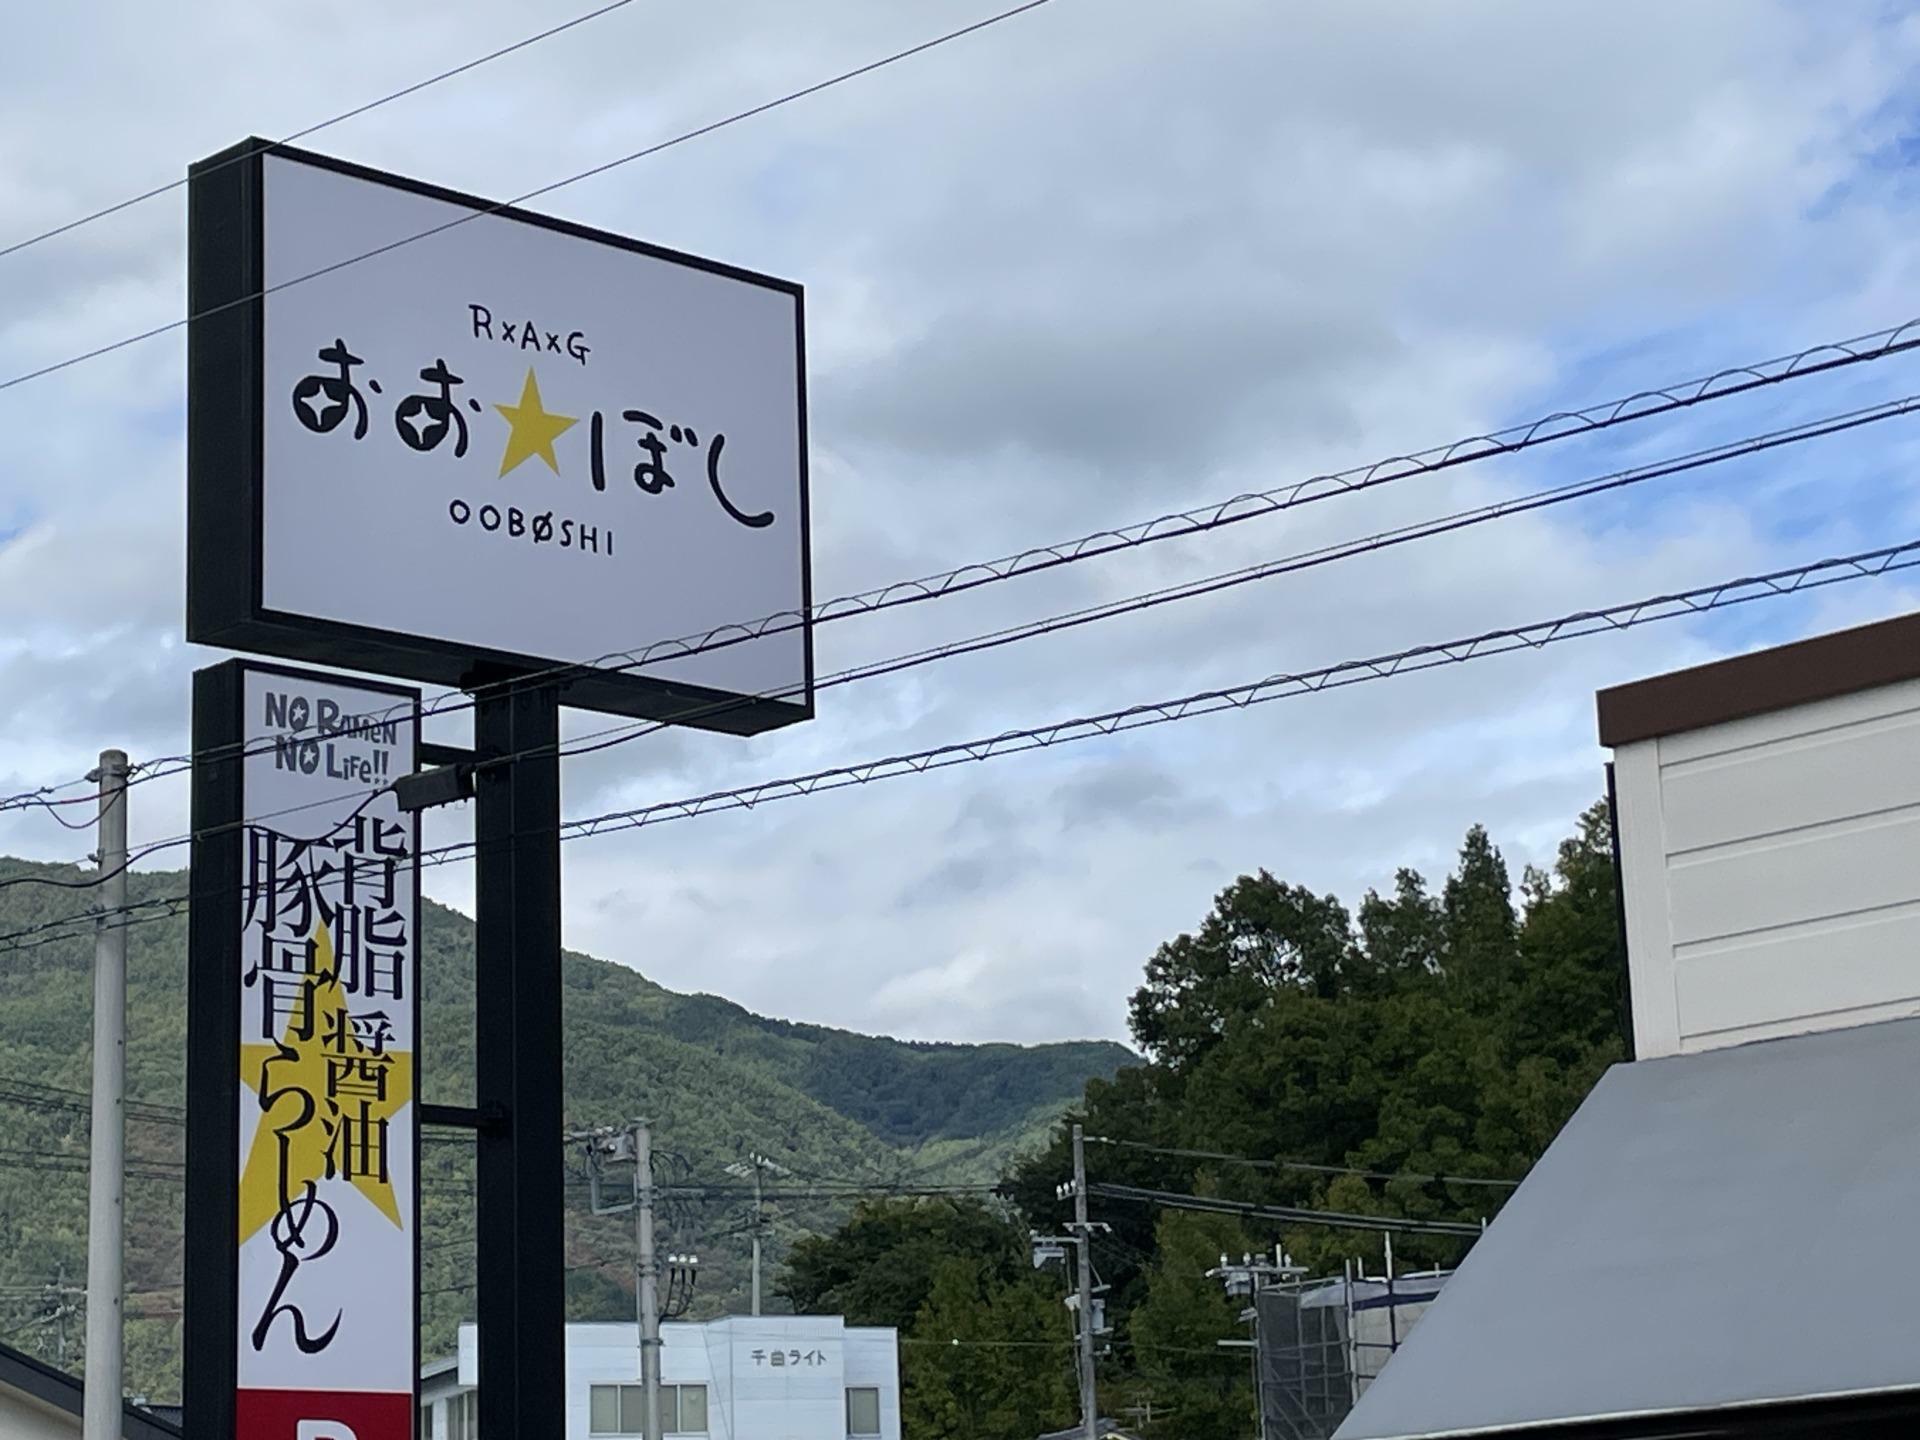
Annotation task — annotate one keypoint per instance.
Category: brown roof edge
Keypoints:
(1883, 653)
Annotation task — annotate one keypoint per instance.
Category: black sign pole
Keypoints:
(519, 1229)
(210, 1295)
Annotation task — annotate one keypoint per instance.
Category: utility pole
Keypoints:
(635, 1142)
(758, 1166)
(1089, 1395)
(62, 1294)
(759, 1222)
(647, 1291)
(106, 1187)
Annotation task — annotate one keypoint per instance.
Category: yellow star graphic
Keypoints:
(535, 428)
(291, 1079)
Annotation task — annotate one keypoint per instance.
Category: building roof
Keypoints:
(1709, 1231)
(1798, 674)
(35, 1378)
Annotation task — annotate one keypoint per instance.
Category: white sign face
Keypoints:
(329, 1005)
(514, 439)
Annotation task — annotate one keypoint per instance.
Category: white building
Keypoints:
(768, 1377)
(38, 1402)
(1770, 835)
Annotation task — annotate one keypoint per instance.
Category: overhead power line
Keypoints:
(1266, 570)
(1288, 1214)
(327, 124)
(1249, 506)
(681, 139)
(1866, 564)
(1325, 555)
(1200, 520)
(1537, 635)
(32, 1093)
(1302, 1165)
(89, 882)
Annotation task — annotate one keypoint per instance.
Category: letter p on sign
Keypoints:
(324, 1430)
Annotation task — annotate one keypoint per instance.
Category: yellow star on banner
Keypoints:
(292, 1076)
(535, 428)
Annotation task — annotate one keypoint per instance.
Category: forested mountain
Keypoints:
(716, 1080)
(1405, 1058)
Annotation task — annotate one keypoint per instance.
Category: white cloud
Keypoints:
(1106, 261)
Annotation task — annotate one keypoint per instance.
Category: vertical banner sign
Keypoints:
(321, 989)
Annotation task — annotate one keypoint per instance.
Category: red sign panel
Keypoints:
(322, 1415)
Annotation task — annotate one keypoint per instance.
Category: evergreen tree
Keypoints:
(1480, 929)
(1452, 1037)
(988, 1358)
(1402, 936)
(1199, 1391)
(1573, 996)
(879, 1267)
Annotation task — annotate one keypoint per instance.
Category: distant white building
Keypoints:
(768, 1377)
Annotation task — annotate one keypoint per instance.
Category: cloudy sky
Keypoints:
(1107, 260)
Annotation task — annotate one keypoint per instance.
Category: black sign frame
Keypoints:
(226, 370)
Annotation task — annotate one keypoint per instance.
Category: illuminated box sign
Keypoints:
(510, 444)
(313, 1001)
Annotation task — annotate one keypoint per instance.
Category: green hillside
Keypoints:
(717, 1081)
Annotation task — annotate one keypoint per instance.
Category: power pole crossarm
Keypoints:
(106, 1188)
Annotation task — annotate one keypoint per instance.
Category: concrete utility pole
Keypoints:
(1089, 1394)
(60, 1296)
(106, 1188)
(634, 1141)
(759, 1167)
(759, 1221)
(647, 1291)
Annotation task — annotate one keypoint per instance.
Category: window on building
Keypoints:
(863, 1411)
(463, 1417)
(603, 1410)
(621, 1409)
(689, 1415)
(426, 1421)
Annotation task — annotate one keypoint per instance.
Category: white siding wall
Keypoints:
(749, 1397)
(1772, 872)
(873, 1359)
(24, 1418)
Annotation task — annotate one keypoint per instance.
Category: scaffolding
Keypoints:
(1320, 1343)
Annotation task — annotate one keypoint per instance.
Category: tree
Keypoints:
(1204, 1392)
(879, 1267)
(1482, 933)
(1573, 998)
(1403, 936)
(1261, 937)
(988, 1358)
(1450, 1037)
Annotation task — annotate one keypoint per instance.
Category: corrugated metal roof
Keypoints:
(1709, 1230)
